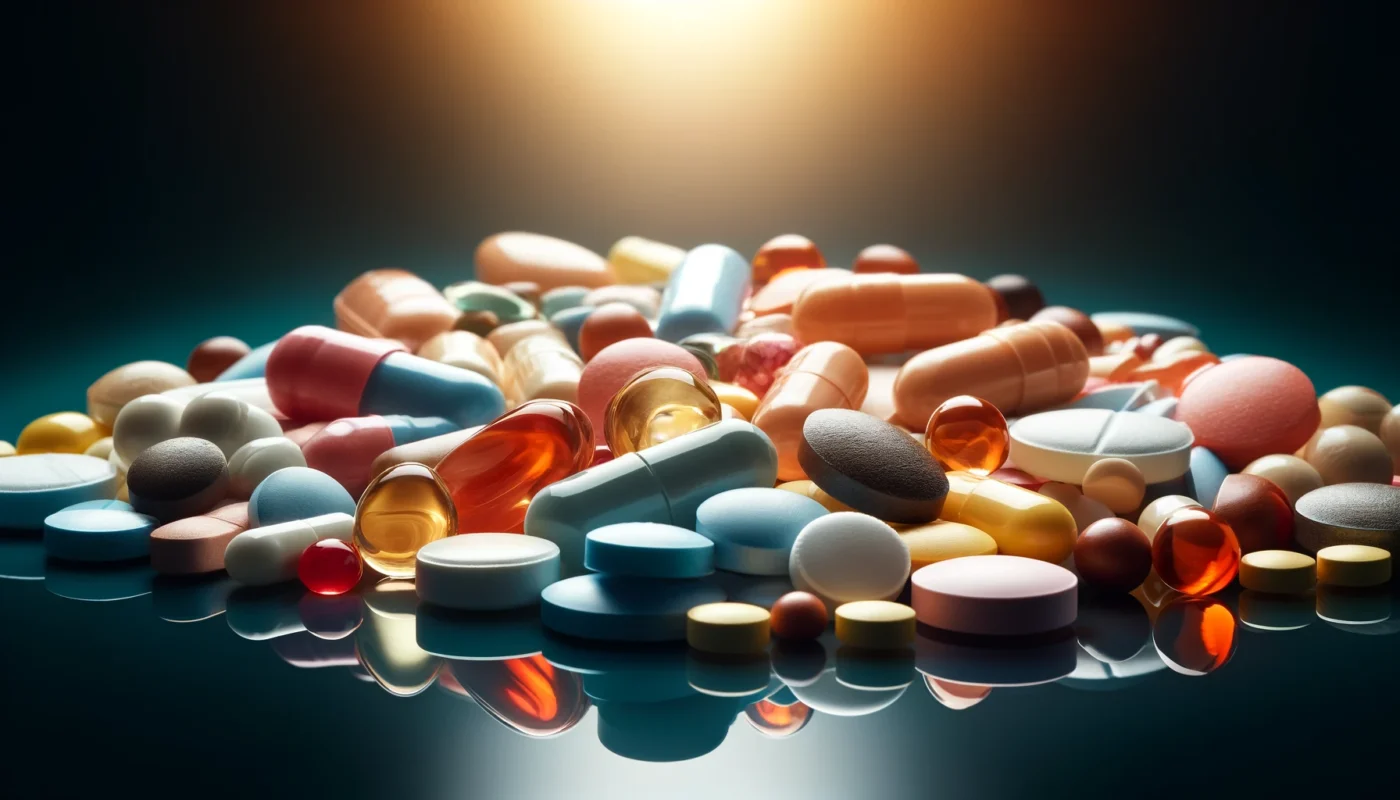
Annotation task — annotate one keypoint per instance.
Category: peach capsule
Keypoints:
(887, 313)
(394, 304)
(1019, 369)
(821, 375)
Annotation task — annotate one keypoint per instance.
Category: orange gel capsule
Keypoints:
(968, 434)
(529, 695)
(789, 251)
(885, 258)
(1195, 552)
(821, 375)
(394, 304)
(657, 406)
(493, 475)
(402, 510)
(1195, 635)
(1172, 374)
(771, 719)
(1019, 369)
(892, 313)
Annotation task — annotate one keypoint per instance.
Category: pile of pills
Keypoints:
(742, 456)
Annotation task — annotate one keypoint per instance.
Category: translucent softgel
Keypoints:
(402, 510)
(967, 434)
(1195, 552)
(657, 406)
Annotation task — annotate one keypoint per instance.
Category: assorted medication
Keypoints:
(803, 487)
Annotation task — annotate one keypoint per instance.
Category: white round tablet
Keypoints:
(486, 571)
(147, 420)
(848, 556)
(226, 421)
(1062, 445)
(257, 459)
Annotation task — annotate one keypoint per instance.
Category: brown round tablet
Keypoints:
(1113, 554)
(871, 466)
(196, 545)
(178, 478)
(1257, 510)
(885, 258)
(212, 356)
(1022, 298)
(1077, 321)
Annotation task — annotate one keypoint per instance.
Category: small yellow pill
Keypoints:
(875, 624)
(939, 541)
(6, 449)
(1353, 565)
(727, 628)
(64, 432)
(1115, 482)
(1278, 572)
(737, 397)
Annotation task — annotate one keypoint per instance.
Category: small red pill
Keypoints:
(329, 567)
(798, 615)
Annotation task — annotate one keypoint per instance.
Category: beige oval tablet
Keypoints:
(1278, 572)
(1353, 565)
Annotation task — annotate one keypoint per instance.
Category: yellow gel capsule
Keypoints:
(727, 628)
(806, 488)
(939, 541)
(657, 406)
(875, 624)
(406, 507)
(1278, 572)
(64, 432)
(1022, 522)
(637, 260)
(1353, 565)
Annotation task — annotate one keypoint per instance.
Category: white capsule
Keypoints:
(147, 420)
(268, 555)
(226, 421)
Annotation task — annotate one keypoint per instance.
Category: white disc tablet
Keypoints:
(486, 571)
(848, 556)
(1062, 445)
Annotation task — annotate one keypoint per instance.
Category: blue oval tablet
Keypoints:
(648, 550)
(98, 534)
(624, 609)
(1206, 474)
(94, 505)
(35, 486)
(1143, 324)
(570, 322)
(297, 493)
(753, 529)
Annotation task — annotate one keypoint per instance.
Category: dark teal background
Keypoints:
(186, 170)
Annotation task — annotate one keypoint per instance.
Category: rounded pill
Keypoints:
(259, 458)
(196, 545)
(1355, 565)
(846, 556)
(544, 260)
(1022, 298)
(1257, 511)
(1349, 454)
(825, 375)
(64, 432)
(110, 393)
(226, 421)
(884, 258)
(1390, 434)
(736, 397)
(656, 406)
(177, 478)
(1195, 635)
(609, 324)
(1077, 321)
(648, 550)
(1349, 513)
(212, 356)
(875, 625)
(799, 615)
(143, 422)
(940, 540)
(995, 596)
(1250, 407)
(1063, 445)
(403, 509)
(464, 350)
(1117, 483)
(788, 251)
(329, 567)
(97, 534)
(871, 465)
(727, 628)
(1278, 572)
(969, 434)
(634, 259)
(1113, 554)
(1291, 474)
(486, 571)
(1353, 405)
(1195, 552)
(1023, 523)
(615, 365)
(753, 529)
(621, 608)
(297, 493)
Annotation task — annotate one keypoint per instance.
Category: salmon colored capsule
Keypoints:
(821, 375)
(1022, 522)
(609, 324)
(543, 260)
(892, 313)
(768, 323)
(542, 366)
(1172, 375)
(885, 258)
(1018, 369)
(394, 304)
(493, 475)
(789, 251)
(466, 350)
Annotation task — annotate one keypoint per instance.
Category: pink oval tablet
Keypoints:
(995, 595)
(1251, 407)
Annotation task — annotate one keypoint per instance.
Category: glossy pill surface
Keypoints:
(787, 251)
(64, 432)
(872, 466)
(704, 293)
(1257, 511)
(486, 571)
(252, 463)
(887, 313)
(656, 406)
(1291, 474)
(1022, 298)
(940, 541)
(393, 304)
(1354, 565)
(297, 493)
(1022, 522)
(329, 567)
(727, 628)
(268, 555)
(648, 550)
(1195, 552)
(1113, 554)
(1248, 408)
(753, 529)
(494, 474)
(1195, 635)
(1278, 572)
(634, 259)
(97, 535)
(212, 356)
(616, 365)
(885, 258)
(819, 376)
(464, 350)
(967, 434)
(799, 615)
(543, 260)
(405, 508)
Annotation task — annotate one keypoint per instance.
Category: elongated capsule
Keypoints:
(664, 484)
(821, 375)
(465, 350)
(1022, 522)
(317, 373)
(1019, 369)
(705, 293)
(346, 448)
(268, 555)
(637, 260)
(542, 366)
(393, 304)
(544, 260)
(889, 313)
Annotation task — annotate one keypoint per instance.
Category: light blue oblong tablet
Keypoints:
(295, 493)
(570, 322)
(648, 550)
(98, 534)
(35, 486)
(753, 529)
(1143, 323)
(1206, 474)
(705, 294)
(622, 608)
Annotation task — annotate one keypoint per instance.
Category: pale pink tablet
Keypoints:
(995, 595)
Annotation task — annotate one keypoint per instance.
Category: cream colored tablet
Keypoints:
(1117, 483)
(875, 625)
(1291, 474)
(727, 628)
(1062, 445)
(1353, 565)
(1278, 572)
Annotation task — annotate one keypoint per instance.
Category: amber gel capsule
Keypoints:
(657, 406)
(401, 510)
(821, 375)
(888, 313)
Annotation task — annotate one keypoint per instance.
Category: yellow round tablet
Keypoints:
(875, 624)
(1278, 572)
(730, 628)
(939, 541)
(1353, 565)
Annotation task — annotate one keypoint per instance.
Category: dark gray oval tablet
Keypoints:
(871, 466)
(1349, 513)
(178, 478)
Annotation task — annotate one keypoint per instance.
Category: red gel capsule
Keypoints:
(329, 567)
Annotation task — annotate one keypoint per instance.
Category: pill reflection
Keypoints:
(1195, 635)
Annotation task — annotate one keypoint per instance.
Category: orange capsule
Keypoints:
(778, 295)
(493, 475)
(1195, 552)
(885, 313)
(885, 258)
(608, 324)
(968, 434)
(1172, 374)
(788, 251)
(394, 304)
(821, 375)
(1195, 635)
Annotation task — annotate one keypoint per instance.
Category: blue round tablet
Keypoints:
(622, 608)
(297, 493)
(98, 534)
(35, 486)
(93, 505)
(753, 529)
(648, 550)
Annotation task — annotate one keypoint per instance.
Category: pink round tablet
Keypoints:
(1250, 407)
(618, 363)
(995, 595)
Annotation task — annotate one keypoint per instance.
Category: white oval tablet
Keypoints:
(257, 459)
(486, 571)
(1062, 445)
(848, 556)
(226, 421)
(147, 420)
